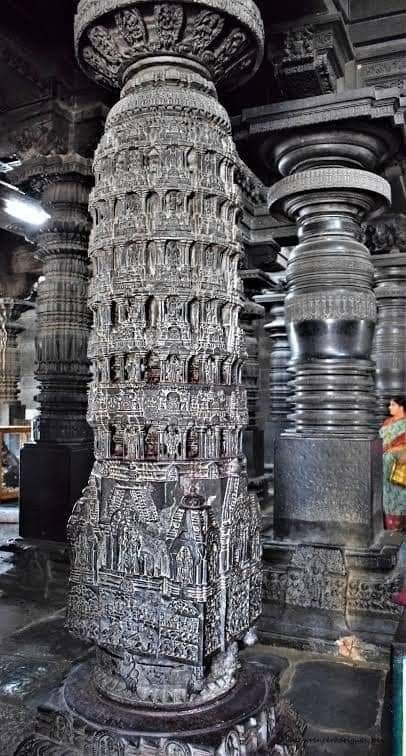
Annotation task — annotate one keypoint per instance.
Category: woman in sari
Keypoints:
(393, 434)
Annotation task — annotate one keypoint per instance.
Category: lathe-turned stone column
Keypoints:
(386, 239)
(279, 359)
(328, 484)
(55, 469)
(165, 540)
(10, 311)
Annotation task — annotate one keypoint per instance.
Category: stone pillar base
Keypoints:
(248, 719)
(51, 481)
(319, 597)
(328, 490)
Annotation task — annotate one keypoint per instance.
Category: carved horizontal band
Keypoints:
(320, 179)
(333, 307)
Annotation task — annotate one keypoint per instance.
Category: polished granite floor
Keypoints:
(344, 705)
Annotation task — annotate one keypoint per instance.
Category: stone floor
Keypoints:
(345, 705)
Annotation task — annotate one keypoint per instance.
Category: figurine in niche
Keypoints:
(132, 370)
(194, 313)
(171, 155)
(133, 205)
(173, 402)
(174, 202)
(116, 444)
(172, 442)
(184, 566)
(154, 161)
(153, 369)
(151, 445)
(192, 162)
(122, 161)
(151, 208)
(194, 371)
(173, 369)
(115, 370)
(192, 445)
(151, 258)
(172, 308)
(172, 255)
(151, 312)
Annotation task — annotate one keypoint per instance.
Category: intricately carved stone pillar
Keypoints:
(55, 469)
(333, 495)
(165, 541)
(386, 239)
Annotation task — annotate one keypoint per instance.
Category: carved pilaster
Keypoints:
(165, 540)
(386, 239)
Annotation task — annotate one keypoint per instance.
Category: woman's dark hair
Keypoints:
(400, 400)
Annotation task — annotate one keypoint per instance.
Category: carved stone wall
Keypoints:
(166, 538)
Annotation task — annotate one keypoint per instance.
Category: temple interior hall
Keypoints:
(202, 377)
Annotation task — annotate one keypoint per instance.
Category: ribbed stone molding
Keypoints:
(165, 541)
(62, 368)
(386, 239)
(279, 359)
(330, 305)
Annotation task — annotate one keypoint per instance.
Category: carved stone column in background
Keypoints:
(386, 239)
(334, 494)
(279, 377)
(55, 469)
(10, 311)
(253, 442)
(165, 541)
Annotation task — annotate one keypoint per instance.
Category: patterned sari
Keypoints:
(393, 434)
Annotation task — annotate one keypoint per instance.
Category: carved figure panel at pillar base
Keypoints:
(165, 540)
(319, 597)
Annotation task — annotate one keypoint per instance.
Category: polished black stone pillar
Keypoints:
(386, 239)
(327, 467)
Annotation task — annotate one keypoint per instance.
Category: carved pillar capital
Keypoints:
(223, 37)
(10, 311)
